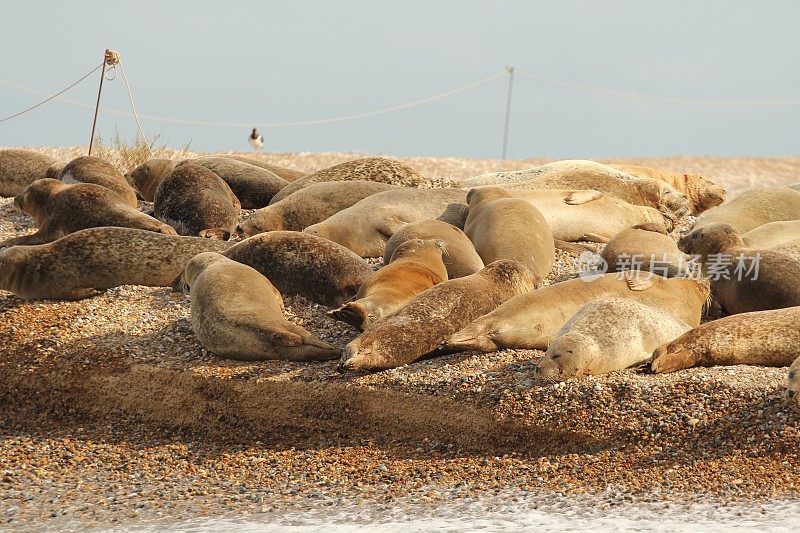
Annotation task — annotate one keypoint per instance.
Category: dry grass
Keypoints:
(127, 156)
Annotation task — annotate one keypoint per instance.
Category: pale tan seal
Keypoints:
(702, 193)
(19, 168)
(146, 177)
(195, 201)
(367, 225)
(502, 227)
(608, 335)
(588, 215)
(418, 328)
(238, 314)
(61, 209)
(772, 234)
(789, 249)
(310, 205)
(87, 261)
(460, 257)
(415, 266)
(646, 247)
(754, 208)
(743, 279)
(532, 320)
(380, 169)
(90, 169)
(764, 338)
(253, 186)
(581, 174)
(299, 263)
(793, 387)
(289, 174)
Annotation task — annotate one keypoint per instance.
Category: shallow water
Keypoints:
(557, 514)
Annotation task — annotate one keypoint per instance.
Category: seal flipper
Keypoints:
(582, 197)
(638, 281)
(571, 247)
(40, 237)
(219, 234)
(77, 294)
(455, 214)
(663, 361)
(655, 227)
(389, 226)
(353, 313)
(594, 237)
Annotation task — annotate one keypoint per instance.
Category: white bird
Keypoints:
(256, 140)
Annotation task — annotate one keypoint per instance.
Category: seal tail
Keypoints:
(353, 313)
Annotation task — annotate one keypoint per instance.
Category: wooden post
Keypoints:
(106, 56)
(510, 71)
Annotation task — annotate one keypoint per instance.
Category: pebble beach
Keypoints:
(113, 415)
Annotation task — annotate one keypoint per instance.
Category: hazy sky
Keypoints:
(261, 61)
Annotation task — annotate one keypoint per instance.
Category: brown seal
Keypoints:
(146, 177)
(646, 247)
(755, 207)
(380, 169)
(608, 335)
(460, 257)
(238, 314)
(19, 168)
(418, 328)
(703, 194)
(503, 227)
(195, 201)
(61, 209)
(310, 205)
(742, 279)
(299, 263)
(581, 174)
(793, 387)
(415, 266)
(87, 261)
(764, 338)
(90, 169)
(588, 215)
(532, 320)
(252, 185)
(289, 174)
(366, 226)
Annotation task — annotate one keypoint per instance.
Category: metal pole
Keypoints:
(99, 91)
(510, 71)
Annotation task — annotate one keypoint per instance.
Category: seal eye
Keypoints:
(792, 374)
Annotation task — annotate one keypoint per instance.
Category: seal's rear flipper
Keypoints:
(353, 313)
(663, 361)
(582, 197)
(652, 226)
(179, 284)
(571, 247)
(638, 281)
(455, 214)
(219, 234)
